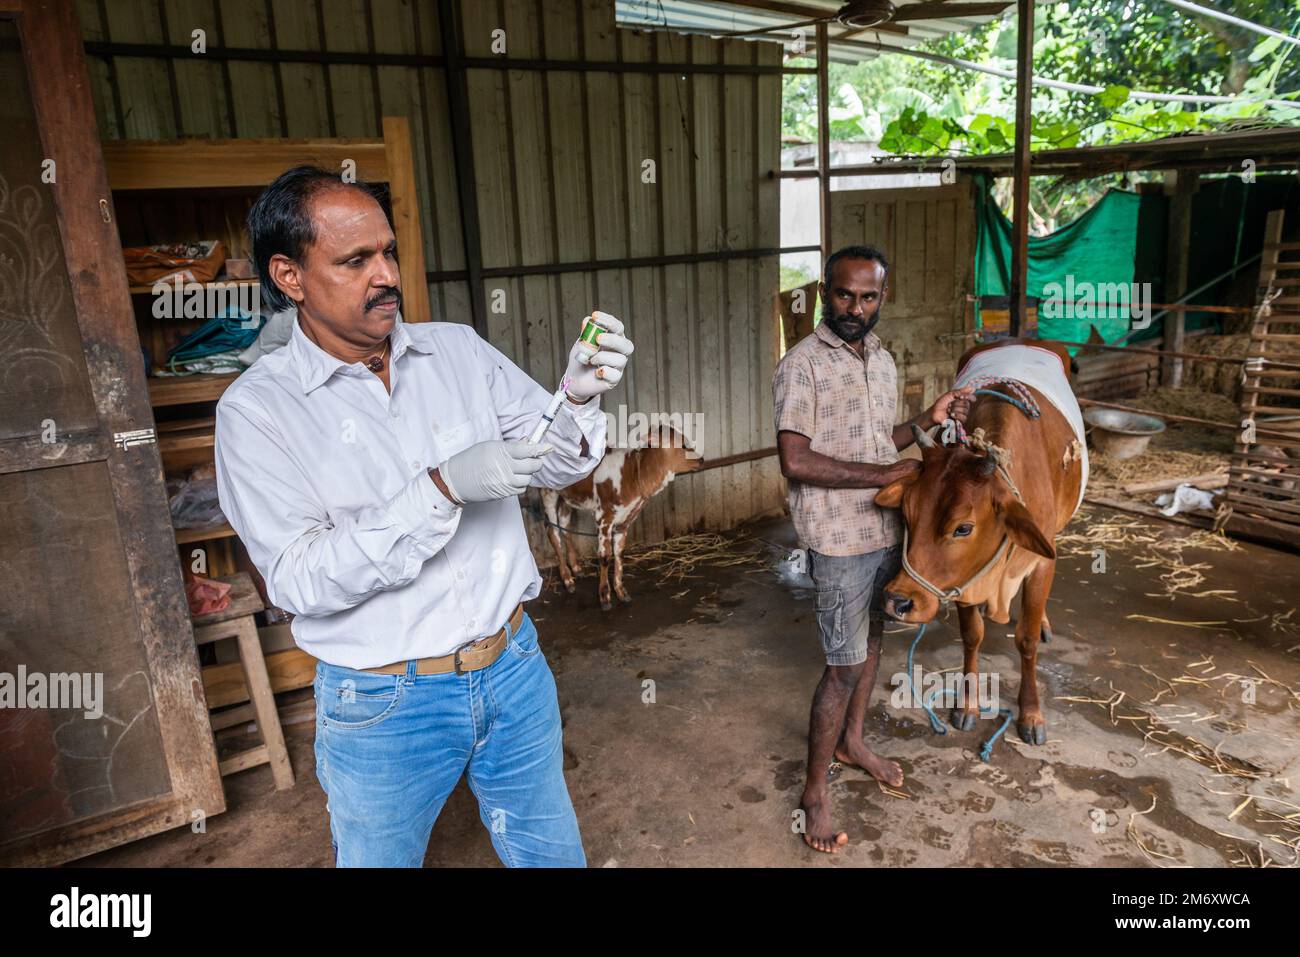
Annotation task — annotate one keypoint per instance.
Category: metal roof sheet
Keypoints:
(710, 18)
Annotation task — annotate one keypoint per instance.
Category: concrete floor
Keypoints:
(709, 774)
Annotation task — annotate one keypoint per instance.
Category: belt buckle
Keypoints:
(455, 658)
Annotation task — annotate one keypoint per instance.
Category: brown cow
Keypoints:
(973, 537)
(615, 493)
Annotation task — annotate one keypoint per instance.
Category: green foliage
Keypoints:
(916, 107)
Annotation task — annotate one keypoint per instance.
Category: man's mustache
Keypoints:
(385, 295)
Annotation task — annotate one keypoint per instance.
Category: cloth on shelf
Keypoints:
(194, 261)
(206, 596)
(222, 362)
(274, 334)
(193, 500)
(215, 345)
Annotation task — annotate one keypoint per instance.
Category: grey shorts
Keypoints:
(850, 600)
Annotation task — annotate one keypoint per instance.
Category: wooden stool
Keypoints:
(236, 621)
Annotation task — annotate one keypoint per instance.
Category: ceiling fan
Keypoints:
(859, 15)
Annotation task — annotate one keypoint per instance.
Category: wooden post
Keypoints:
(1020, 206)
(1180, 186)
(824, 136)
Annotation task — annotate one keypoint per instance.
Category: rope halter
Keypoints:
(977, 441)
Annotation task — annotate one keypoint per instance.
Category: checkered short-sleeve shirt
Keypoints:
(846, 405)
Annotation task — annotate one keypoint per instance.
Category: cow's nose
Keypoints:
(899, 604)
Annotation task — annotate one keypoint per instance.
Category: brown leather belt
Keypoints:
(471, 657)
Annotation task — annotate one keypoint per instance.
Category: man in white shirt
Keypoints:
(371, 468)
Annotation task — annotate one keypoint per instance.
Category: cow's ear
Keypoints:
(1024, 531)
(891, 496)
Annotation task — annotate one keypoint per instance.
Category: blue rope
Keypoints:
(986, 749)
(1032, 413)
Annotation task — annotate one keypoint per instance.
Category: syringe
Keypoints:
(591, 328)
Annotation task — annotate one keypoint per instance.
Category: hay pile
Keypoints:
(1220, 379)
(1194, 401)
(675, 559)
(1107, 476)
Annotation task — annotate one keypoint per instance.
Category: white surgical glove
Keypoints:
(491, 470)
(585, 376)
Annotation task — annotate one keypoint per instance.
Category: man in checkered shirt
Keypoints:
(836, 393)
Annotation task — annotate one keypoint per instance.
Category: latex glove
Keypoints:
(587, 377)
(491, 470)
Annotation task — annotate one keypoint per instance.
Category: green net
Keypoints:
(1082, 274)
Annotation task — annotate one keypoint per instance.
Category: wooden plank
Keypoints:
(406, 217)
(206, 164)
(186, 389)
(185, 536)
(290, 669)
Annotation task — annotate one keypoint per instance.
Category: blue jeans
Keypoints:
(390, 749)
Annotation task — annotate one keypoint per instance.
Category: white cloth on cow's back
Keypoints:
(1040, 369)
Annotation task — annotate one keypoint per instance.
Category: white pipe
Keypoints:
(1235, 21)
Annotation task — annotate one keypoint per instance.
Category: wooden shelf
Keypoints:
(186, 443)
(186, 535)
(181, 390)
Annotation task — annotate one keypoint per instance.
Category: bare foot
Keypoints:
(859, 755)
(818, 832)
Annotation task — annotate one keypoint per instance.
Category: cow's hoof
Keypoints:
(1032, 733)
(625, 598)
(605, 604)
(571, 587)
(963, 720)
(1046, 633)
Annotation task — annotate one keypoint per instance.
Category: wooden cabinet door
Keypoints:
(90, 587)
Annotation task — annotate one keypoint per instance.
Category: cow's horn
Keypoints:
(922, 437)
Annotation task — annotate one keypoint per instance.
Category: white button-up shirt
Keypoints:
(323, 475)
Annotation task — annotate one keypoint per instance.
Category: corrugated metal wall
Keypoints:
(558, 160)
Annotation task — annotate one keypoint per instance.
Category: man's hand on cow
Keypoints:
(954, 404)
(589, 374)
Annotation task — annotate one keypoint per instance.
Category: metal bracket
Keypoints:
(137, 437)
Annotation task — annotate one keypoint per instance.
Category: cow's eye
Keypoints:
(962, 530)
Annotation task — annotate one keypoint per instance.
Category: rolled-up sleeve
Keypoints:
(316, 563)
(577, 435)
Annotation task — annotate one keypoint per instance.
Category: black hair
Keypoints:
(854, 252)
(280, 221)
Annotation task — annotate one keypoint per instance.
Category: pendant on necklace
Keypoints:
(375, 364)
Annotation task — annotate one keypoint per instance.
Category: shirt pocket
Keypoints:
(460, 435)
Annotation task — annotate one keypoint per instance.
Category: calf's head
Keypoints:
(679, 455)
(958, 511)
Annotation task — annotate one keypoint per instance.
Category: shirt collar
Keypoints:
(827, 335)
(315, 365)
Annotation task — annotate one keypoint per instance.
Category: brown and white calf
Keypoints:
(615, 492)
